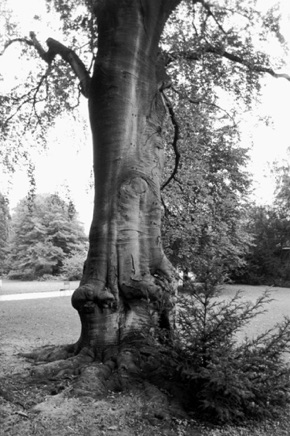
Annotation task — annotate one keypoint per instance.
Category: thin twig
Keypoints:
(12, 41)
(30, 96)
(210, 13)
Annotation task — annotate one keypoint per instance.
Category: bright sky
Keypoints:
(270, 143)
(68, 160)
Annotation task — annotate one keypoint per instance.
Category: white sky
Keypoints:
(54, 170)
(270, 143)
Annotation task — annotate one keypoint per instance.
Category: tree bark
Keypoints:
(127, 278)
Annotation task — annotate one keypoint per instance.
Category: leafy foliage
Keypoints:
(206, 203)
(216, 42)
(212, 43)
(282, 192)
(226, 379)
(205, 206)
(43, 235)
(268, 259)
(72, 267)
(36, 93)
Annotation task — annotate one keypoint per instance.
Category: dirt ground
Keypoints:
(46, 408)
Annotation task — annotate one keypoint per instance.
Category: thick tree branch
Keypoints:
(56, 48)
(195, 56)
(207, 7)
(257, 68)
(78, 67)
(68, 55)
(47, 56)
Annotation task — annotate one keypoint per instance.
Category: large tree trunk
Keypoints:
(127, 277)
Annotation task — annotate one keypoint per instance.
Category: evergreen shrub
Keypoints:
(227, 379)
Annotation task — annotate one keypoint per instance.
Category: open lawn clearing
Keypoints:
(28, 324)
(276, 310)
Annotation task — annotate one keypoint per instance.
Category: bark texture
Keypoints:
(127, 277)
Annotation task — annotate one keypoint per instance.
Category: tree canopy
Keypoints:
(225, 46)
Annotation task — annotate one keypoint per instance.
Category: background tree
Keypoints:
(265, 260)
(205, 223)
(205, 206)
(127, 275)
(4, 232)
(268, 259)
(282, 191)
(72, 267)
(44, 234)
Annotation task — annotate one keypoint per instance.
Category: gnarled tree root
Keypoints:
(50, 353)
(134, 369)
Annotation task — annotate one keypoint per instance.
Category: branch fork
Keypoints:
(56, 48)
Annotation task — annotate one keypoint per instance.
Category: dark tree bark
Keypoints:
(127, 276)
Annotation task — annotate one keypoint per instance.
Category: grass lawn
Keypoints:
(27, 324)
